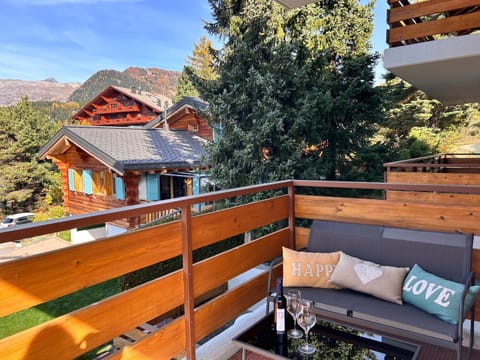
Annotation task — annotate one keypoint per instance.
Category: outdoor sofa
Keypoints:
(446, 255)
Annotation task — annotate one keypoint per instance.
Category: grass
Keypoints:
(28, 318)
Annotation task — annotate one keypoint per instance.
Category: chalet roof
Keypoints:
(154, 101)
(187, 101)
(128, 149)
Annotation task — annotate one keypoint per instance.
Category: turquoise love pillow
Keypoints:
(435, 295)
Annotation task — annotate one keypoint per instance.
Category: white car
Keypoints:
(17, 219)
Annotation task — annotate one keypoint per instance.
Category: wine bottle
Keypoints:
(280, 309)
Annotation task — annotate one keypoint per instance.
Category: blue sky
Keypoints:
(70, 40)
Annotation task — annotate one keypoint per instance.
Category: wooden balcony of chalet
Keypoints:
(435, 46)
(34, 280)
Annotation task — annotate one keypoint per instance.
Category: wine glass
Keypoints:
(306, 319)
(293, 297)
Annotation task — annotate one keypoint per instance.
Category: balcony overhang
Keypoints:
(447, 70)
(295, 3)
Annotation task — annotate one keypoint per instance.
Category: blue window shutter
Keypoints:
(87, 182)
(153, 187)
(71, 180)
(119, 189)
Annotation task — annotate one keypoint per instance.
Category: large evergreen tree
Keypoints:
(23, 131)
(294, 97)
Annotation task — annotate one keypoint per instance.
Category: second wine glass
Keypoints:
(293, 297)
(306, 319)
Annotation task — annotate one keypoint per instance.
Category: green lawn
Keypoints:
(28, 318)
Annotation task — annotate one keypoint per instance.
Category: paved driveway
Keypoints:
(11, 251)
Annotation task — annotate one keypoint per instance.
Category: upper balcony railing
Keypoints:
(31, 281)
(412, 22)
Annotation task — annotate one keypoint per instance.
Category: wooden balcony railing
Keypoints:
(34, 280)
(430, 19)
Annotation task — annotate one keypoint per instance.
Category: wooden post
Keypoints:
(188, 282)
(291, 216)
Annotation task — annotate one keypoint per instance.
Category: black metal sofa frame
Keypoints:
(447, 255)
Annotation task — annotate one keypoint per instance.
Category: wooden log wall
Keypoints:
(186, 119)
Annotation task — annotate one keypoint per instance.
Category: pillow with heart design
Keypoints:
(384, 282)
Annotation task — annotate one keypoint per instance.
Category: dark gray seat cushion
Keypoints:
(362, 306)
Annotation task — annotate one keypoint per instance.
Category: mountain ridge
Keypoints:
(155, 80)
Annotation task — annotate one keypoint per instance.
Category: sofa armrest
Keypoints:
(468, 283)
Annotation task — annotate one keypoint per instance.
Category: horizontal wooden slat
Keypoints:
(440, 217)
(441, 26)
(164, 344)
(231, 304)
(37, 279)
(433, 178)
(236, 261)
(430, 7)
(433, 197)
(219, 225)
(73, 334)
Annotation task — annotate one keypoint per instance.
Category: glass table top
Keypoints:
(332, 341)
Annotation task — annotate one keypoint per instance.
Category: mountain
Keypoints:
(162, 82)
(12, 91)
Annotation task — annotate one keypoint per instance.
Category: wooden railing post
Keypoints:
(291, 216)
(188, 282)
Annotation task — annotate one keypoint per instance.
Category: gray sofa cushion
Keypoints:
(357, 240)
(439, 253)
(362, 306)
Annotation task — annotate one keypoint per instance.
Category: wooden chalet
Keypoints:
(184, 115)
(119, 106)
(110, 167)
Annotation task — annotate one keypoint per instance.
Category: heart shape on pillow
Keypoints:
(367, 272)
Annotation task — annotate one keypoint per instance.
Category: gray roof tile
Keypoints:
(129, 148)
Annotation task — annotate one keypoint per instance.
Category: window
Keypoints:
(109, 189)
(98, 178)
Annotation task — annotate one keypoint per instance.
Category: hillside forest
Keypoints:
(291, 100)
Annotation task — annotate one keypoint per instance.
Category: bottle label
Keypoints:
(280, 319)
